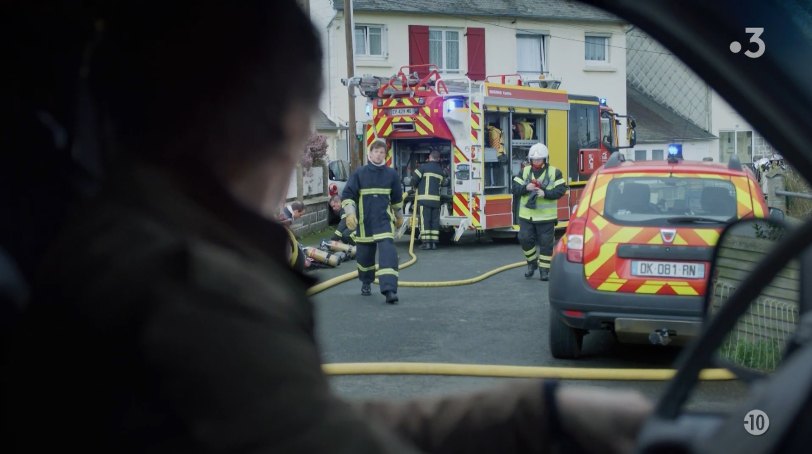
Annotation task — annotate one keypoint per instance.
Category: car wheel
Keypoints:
(565, 341)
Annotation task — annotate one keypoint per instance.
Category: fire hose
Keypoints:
(485, 370)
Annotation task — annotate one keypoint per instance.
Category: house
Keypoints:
(657, 75)
(658, 126)
(582, 46)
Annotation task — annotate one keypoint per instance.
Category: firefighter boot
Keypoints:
(391, 297)
(544, 274)
(365, 290)
(425, 246)
(433, 245)
(531, 268)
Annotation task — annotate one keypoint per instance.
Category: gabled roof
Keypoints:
(526, 9)
(656, 123)
(323, 123)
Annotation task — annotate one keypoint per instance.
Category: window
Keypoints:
(639, 155)
(530, 56)
(596, 49)
(370, 40)
(656, 155)
(444, 49)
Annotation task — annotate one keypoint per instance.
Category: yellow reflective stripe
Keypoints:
(383, 236)
(397, 206)
(518, 180)
(545, 257)
(384, 191)
(607, 252)
(428, 197)
(418, 173)
(650, 287)
(683, 288)
(365, 268)
(387, 272)
(338, 233)
(708, 235)
(558, 182)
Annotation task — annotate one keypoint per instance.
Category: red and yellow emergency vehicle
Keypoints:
(483, 131)
(636, 256)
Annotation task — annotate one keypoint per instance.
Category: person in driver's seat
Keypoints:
(168, 319)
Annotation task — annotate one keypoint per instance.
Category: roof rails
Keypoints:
(615, 160)
(734, 163)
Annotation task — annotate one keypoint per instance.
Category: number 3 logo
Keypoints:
(756, 38)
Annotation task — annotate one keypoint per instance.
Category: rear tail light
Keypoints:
(575, 240)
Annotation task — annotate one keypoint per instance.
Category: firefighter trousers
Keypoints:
(387, 263)
(429, 223)
(539, 235)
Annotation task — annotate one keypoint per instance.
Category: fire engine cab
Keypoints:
(483, 131)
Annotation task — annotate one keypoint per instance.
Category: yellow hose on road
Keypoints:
(483, 370)
(354, 274)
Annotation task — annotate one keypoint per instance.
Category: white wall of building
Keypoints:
(565, 57)
(691, 150)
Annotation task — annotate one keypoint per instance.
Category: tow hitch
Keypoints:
(661, 336)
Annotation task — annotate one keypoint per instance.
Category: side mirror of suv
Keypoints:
(776, 214)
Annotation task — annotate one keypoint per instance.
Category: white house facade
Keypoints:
(583, 47)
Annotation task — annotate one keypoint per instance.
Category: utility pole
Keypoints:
(355, 155)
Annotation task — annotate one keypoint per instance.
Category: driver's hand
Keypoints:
(530, 187)
(602, 420)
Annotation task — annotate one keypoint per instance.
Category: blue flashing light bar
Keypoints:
(453, 103)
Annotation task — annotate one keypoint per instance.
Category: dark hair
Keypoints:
(297, 206)
(208, 81)
(378, 143)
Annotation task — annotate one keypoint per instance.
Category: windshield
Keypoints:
(661, 200)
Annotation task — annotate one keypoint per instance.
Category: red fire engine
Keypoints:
(483, 131)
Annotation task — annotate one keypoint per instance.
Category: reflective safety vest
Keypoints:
(546, 209)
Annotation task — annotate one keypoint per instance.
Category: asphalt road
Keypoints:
(502, 320)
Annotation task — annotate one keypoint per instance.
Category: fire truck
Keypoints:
(483, 131)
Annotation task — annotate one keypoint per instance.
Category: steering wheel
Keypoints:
(670, 428)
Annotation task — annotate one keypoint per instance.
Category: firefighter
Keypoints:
(376, 192)
(540, 185)
(426, 181)
(342, 232)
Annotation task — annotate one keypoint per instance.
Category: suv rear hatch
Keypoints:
(653, 233)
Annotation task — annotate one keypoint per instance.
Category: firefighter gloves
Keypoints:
(352, 221)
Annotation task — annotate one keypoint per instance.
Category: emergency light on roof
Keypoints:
(453, 103)
(674, 152)
(603, 101)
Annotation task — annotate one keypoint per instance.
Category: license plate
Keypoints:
(402, 111)
(668, 269)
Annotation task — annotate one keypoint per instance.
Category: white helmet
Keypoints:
(538, 151)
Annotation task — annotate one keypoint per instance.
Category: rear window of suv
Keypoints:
(669, 200)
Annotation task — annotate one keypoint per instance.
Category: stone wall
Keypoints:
(310, 186)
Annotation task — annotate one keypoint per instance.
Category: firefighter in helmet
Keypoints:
(427, 180)
(376, 192)
(539, 186)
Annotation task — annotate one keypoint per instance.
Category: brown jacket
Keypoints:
(169, 321)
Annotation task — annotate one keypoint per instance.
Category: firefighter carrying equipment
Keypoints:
(427, 181)
(376, 192)
(537, 221)
(551, 181)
